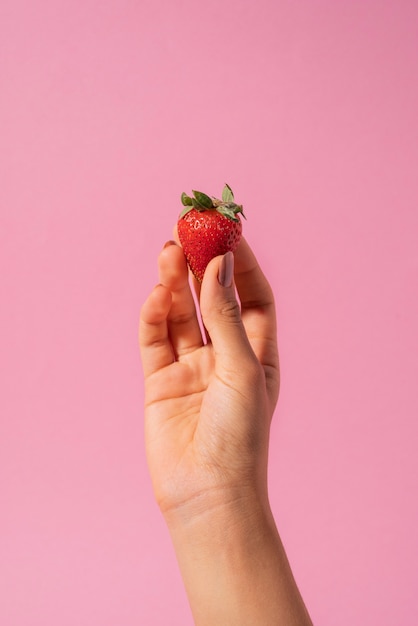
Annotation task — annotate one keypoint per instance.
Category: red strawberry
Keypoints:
(208, 227)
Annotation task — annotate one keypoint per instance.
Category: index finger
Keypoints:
(253, 287)
(258, 312)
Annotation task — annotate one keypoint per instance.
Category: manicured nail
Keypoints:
(226, 270)
(169, 243)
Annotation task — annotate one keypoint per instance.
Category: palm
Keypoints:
(173, 417)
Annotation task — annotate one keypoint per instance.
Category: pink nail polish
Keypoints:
(226, 270)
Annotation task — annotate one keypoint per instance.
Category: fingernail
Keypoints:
(226, 270)
(169, 243)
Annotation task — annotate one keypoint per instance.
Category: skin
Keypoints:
(209, 401)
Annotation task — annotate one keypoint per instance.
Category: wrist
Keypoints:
(210, 519)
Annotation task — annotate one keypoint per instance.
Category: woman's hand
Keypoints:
(209, 403)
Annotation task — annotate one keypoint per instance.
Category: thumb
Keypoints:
(221, 314)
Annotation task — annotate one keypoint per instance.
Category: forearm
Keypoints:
(234, 566)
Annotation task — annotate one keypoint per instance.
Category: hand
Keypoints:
(209, 401)
(208, 404)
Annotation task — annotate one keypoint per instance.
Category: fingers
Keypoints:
(221, 315)
(258, 314)
(240, 335)
(256, 296)
(182, 322)
(154, 341)
(258, 311)
(253, 288)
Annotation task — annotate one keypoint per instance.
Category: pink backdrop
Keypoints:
(108, 111)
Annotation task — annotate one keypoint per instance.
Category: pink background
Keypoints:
(108, 111)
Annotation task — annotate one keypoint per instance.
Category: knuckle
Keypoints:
(230, 311)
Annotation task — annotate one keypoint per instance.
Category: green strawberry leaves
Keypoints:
(202, 202)
(227, 194)
(185, 199)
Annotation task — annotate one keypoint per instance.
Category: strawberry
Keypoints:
(208, 227)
